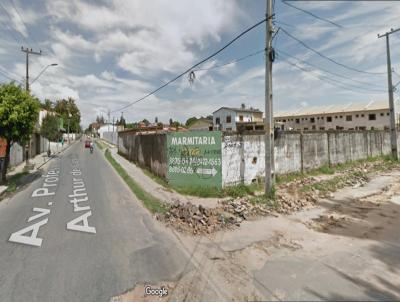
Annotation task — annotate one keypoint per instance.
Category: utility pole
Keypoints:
(109, 119)
(268, 123)
(393, 133)
(28, 52)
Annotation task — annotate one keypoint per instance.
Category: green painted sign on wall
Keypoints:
(194, 158)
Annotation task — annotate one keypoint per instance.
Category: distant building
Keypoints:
(353, 116)
(234, 119)
(201, 124)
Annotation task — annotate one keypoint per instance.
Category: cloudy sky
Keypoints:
(112, 52)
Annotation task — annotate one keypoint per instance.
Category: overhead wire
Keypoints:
(335, 82)
(22, 20)
(11, 20)
(328, 58)
(325, 70)
(231, 62)
(194, 66)
(312, 14)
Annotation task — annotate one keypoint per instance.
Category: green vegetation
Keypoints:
(19, 112)
(100, 144)
(12, 181)
(149, 201)
(50, 128)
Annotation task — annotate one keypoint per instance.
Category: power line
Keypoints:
(10, 18)
(231, 62)
(335, 82)
(325, 70)
(9, 73)
(8, 77)
(311, 14)
(328, 58)
(22, 20)
(192, 67)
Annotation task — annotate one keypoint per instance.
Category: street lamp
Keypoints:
(44, 69)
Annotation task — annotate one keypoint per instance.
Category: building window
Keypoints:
(387, 114)
(382, 114)
(372, 117)
(312, 119)
(341, 116)
(322, 117)
(329, 119)
(228, 129)
(349, 118)
(335, 116)
(297, 121)
(357, 115)
(362, 115)
(217, 121)
(306, 129)
(228, 119)
(313, 127)
(317, 118)
(284, 121)
(321, 128)
(240, 118)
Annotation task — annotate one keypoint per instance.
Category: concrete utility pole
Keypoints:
(393, 133)
(28, 52)
(109, 119)
(268, 123)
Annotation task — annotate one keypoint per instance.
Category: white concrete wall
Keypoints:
(243, 156)
(111, 137)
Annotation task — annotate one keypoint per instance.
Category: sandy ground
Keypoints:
(345, 248)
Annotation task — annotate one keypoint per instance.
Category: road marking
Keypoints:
(80, 223)
(41, 211)
(19, 236)
(74, 226)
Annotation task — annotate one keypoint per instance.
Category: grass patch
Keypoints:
(161, 181)
(149, 201)
(100, 145)
(265, 200)
(12, 181)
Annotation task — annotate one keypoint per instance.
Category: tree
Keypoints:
(190, 121)
(50, 128)
(100, 120)
(19, 112)
(146, 122)
(170, 121)
(65, 108)
(156, 120)
(243, 106)
(48, 105)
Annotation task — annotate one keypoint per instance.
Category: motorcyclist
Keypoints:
(91, 146)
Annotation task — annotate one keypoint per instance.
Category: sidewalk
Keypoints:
(155, 189)
(36, 162)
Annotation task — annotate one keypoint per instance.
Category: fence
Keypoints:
(111, 137)
(243, 155)
(146, 150)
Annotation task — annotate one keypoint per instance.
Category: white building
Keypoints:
(231, 119)
(373, 115)
(106, 128)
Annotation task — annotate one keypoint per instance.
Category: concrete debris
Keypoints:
(289, 198)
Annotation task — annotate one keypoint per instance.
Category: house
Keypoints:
(201, 124)
(235, 119)
(106, 128)
(352, 116)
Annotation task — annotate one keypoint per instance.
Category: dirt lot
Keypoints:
(345, 247)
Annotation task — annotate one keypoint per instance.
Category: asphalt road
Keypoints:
(92, 249)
